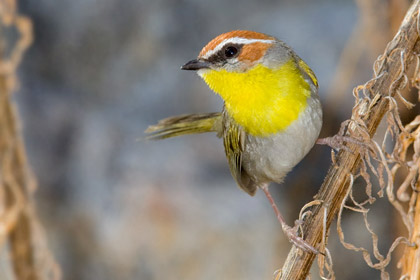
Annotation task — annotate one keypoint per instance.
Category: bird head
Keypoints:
(239, 51)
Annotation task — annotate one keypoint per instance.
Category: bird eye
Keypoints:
(230, 51)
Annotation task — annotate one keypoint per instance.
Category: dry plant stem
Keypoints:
(15, 180)
(411, 258)
(15, 184)
(398, 55)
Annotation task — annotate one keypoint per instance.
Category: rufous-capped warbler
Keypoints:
(271, 117)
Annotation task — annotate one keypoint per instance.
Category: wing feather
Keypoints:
(234, 140)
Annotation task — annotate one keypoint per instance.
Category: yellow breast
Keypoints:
(262, 100)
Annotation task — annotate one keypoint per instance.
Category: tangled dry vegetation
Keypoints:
(387, 163)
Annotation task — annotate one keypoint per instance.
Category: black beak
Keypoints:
(195, 64)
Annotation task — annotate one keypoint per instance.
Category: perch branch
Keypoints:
(399, 54)
(411, 258)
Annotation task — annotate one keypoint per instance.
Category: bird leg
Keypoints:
(290, 232)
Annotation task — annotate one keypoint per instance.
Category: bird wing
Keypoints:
(185, 124)
(234, 140)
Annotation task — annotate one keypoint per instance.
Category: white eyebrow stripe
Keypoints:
(235, 40)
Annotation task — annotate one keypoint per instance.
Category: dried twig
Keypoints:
(14, 178)
(18, 222)
(410, 261)
(411, 257)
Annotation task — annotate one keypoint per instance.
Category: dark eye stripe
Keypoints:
(220, 55)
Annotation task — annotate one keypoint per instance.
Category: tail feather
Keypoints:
(185, 124)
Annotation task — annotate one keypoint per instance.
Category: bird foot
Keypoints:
(337, 142)
(291, 234)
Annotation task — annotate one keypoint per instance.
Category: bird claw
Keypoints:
(298, 241)
(298, 223)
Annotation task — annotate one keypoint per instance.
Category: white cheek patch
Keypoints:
(235, 40)
(202, 72)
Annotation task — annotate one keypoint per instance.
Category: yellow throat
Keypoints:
(264, 101)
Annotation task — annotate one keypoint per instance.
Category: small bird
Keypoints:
(271, 117)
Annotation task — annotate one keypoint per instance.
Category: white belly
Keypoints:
(269, 159)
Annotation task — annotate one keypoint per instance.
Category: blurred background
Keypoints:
(117, 207)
